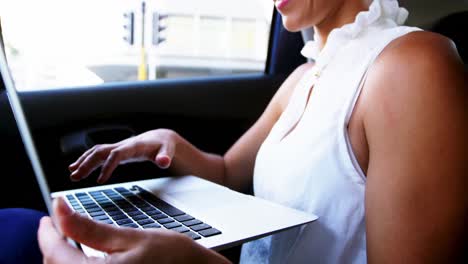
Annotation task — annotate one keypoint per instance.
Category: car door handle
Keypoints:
(77, 142)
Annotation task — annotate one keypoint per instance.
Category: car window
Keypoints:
(58, 44)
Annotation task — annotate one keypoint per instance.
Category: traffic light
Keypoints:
(129, 27)
(158, 27)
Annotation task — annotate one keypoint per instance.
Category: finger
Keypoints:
(116, 156)
(165, 155)
(93, 161)
(53, 247)
(96, 235)
(77, 163)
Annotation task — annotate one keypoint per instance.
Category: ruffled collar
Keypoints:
(387, 11)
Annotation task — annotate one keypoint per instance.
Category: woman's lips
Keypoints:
(280, 4)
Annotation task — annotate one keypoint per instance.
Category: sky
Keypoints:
(57, 28)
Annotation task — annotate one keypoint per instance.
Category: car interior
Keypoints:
(210, 112)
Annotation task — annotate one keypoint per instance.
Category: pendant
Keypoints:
(317, 74)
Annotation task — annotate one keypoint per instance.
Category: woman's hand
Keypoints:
(123, 245)
(158, 146)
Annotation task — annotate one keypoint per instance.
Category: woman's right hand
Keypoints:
(158, 146)
(122, 244)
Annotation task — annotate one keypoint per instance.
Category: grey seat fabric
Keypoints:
(455, 27)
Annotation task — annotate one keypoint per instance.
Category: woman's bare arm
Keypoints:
(416, 124)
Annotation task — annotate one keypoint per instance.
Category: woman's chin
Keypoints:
(291, 26)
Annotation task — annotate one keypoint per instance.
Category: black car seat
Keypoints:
(455, 27)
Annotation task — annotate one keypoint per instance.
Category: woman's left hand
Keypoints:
(122, 245)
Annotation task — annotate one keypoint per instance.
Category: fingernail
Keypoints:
(163, 161)
(100, 179)
(73, 177)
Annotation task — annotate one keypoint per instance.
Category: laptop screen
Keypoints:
(8, 83)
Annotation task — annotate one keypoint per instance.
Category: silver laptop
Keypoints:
(212, 215)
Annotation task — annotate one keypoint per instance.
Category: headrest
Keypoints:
(455, 27)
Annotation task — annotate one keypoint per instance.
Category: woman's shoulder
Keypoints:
(419, 78)
(419, 45)
(417, 53)
(420, 62)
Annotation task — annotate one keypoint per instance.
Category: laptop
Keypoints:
(211, 214)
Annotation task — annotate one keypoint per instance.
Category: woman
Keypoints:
(371, 137)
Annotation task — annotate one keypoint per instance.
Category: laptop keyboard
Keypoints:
(137, 208)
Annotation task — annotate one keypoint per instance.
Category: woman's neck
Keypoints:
(344, 14)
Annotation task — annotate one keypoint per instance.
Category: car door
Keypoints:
(210, 111)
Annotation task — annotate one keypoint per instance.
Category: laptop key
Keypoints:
(154, 225)
(90, 203)
(130, 225)
(158, 203)
(124, 221)
(100, 217)
(93, 210)
(115, 212)
(108, 206)
(125, 205)
(192, 222)
(90, 206)
(182, 218)
(145, 222)
(153, 212)
(119, 217)
(159, 216)
(166, 208)
(180, 229)
(146, 208)
(97, 213)
(200, 227)
(107, 221)
(134, 198)
(209, 232)
(139, 217)
(135, 213)
(130, 209)
(165, 220)
(192, 235)
(171, 225)
(104, 220)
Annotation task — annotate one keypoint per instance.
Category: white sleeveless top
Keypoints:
(313, 168)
